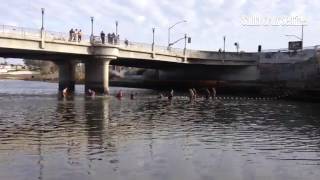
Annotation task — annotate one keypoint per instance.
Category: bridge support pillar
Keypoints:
(66, 76)
(97, 75)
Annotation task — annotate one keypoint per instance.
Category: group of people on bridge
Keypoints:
(75, 35)
(111, 37)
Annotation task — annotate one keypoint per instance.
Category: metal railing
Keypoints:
(138, 46)
(53, 36)
(64, 37)
(316, 47)
(20, 32)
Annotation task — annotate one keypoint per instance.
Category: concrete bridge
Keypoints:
(25, 43)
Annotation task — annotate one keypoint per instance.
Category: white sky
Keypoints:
(208, 20)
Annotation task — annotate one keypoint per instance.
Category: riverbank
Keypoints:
(29, 76)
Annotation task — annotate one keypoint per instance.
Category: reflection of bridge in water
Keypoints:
(16, 42)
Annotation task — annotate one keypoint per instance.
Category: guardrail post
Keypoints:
(42, 43)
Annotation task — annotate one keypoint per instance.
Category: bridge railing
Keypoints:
(139, 46)
(222, 55)
(19, 32)
(29, 33)
(317, 47)
(65, 37)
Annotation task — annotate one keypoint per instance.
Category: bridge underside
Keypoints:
(97, 68)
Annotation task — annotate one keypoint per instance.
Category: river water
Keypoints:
(42, 137)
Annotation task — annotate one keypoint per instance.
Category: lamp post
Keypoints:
(153, 30)
(153, 52)
(300, 38)
(179, 22)
(224, 43)
(42, 18)
(92, 18)
(186, 40)
(117, 28)
(237, 46)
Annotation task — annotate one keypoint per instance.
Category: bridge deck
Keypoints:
(20, 42)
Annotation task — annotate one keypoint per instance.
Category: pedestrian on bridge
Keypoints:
(126, 42)
(71, 34)
(109, 38)
(113, 36)
(79, 35)
(75, 35)
(103, 37)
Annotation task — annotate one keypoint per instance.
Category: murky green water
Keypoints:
(42, 137)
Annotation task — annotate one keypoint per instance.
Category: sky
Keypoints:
(207, 20)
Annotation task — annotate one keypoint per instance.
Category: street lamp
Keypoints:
(153, 30)
(224, 43)
(117, 28)
(92, 18)
(237, 46)
(186, 40)
(42, 18)
(183, 21)
(300, 38)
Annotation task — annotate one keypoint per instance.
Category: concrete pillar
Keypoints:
(97, 75)
(66, 75)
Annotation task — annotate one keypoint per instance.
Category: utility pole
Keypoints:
(302, 36)
(224, 43)
(92, 18)
(42, 18)
(153, 29)
(153, 52)
(179, 22)
(117, 28)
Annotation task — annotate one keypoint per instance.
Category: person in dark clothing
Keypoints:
(109, 38)
(113, 36)
(126, 42)
(103, 36)
(71, 34)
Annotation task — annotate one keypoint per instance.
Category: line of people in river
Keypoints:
(75, 35)
(193, 94)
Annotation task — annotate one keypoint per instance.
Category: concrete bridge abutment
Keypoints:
(97, 75)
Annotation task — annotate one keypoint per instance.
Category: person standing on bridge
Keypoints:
(71, 34)
(109, 38)
(103, 37)
(79, 35)
(75, 35)
(113, 36)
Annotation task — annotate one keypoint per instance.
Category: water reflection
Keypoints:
(146, 138)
